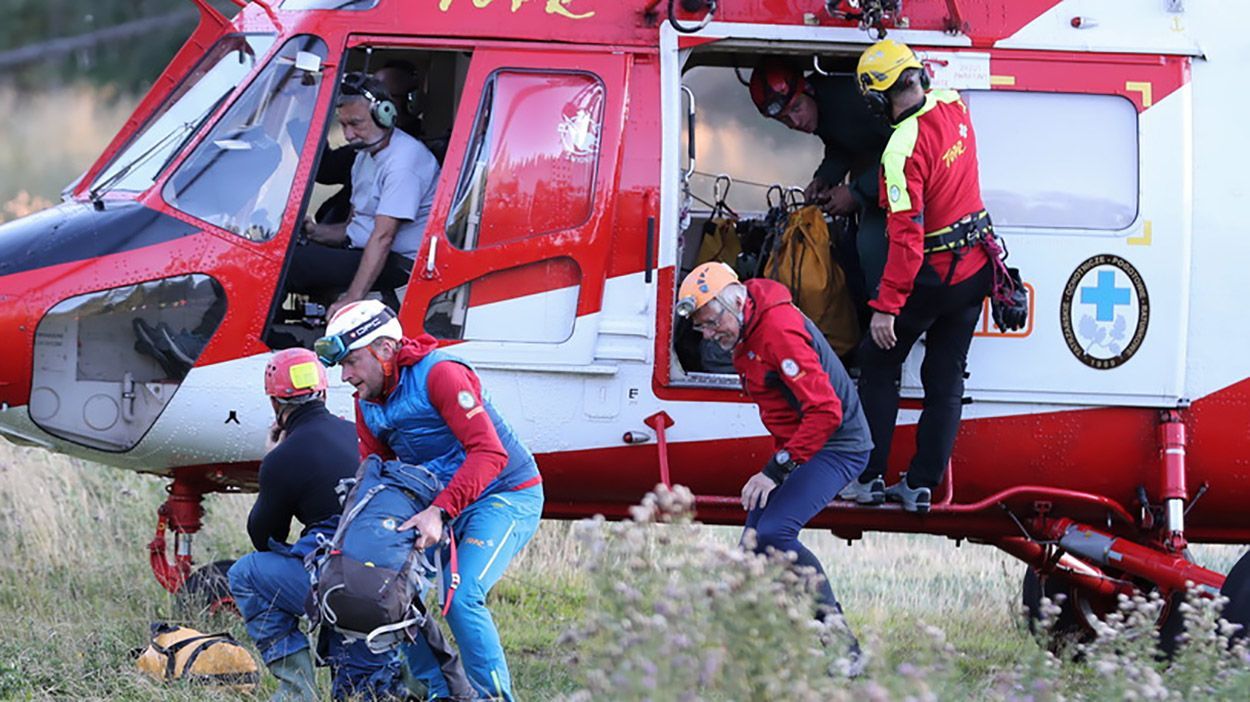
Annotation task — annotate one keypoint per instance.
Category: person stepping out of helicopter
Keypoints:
(937, 274)
(806, 401)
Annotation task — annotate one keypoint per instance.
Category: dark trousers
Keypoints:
(324, 272)
(808, 490)
(949, 314)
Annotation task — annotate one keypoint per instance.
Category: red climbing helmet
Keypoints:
(775, 83)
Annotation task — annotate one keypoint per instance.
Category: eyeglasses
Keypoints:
(709, 325)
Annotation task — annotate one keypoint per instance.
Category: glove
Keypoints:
(1011, 312)
(779, 467)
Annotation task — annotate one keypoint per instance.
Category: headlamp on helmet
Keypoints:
(294, 373)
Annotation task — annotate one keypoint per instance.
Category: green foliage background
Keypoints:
(130, 66)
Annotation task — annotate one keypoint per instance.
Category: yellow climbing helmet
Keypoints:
(882, 63)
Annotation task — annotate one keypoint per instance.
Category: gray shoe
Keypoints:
(872, 493)
(297, 680)
(913, 499)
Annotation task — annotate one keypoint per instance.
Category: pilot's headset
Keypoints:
(381, 108)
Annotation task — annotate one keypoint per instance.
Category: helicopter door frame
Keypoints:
(527, 301)
(1046, 364)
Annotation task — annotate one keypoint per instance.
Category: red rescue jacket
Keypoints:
(806, 399)
(929, 180)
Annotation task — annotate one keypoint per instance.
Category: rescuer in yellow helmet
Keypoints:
(937, 271)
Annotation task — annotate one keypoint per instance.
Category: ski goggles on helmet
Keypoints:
(331, 350)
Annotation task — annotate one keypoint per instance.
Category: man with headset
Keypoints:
(403, 83)
(393, 181)
(937, 272)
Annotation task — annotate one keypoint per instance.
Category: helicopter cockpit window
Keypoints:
(107, 363)
(329, 4)
(227, 63)
(239, 178)
(531, 165)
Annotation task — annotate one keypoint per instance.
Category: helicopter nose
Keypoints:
(98, 332)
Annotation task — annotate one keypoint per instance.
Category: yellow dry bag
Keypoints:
(803, 262)
(182, 653)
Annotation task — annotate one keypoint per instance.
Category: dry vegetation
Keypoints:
(76, 595)
(51, 138)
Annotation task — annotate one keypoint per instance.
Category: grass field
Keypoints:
(76, 593)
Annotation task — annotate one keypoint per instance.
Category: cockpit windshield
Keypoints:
(225, 66)
(239, 177)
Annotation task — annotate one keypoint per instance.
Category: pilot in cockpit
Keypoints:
(393, 181)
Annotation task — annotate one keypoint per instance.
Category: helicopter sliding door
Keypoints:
(1095, 207)
(513, 262)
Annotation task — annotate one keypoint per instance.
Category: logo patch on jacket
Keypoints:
(466, 399)
(789, 367)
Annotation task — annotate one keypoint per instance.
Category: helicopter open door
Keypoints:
(1098, 218)
(514, 258)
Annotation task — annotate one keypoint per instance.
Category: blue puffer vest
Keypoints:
(416, 432)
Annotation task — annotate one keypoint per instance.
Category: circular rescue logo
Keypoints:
(1104, 312)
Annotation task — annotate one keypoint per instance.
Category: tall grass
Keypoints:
(76, 594)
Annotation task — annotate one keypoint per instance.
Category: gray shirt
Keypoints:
(398, 182)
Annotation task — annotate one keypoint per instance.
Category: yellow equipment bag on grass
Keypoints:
(720, 242)
(182, 653)
(803, 262)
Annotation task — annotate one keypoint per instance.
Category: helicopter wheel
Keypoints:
(1077, 612)
(1237, 589)
(1080, 610)
(207, 591)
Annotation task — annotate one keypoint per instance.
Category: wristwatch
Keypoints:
(780, 466)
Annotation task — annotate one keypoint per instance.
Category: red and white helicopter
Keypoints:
(1096, 444)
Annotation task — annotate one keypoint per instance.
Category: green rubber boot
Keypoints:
(297, 681)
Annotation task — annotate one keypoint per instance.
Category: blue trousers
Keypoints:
(269, 589)
(489, 534)
(807, 491)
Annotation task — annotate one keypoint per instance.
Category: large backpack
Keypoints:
(369, 577)
(802, 261)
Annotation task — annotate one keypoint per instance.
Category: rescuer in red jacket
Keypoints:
(806, 401)
(937, 273)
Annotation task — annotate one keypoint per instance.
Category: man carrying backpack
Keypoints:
(314, 450)
(831, 108)
(426, 407)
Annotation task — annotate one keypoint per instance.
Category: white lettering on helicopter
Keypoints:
(552, 7)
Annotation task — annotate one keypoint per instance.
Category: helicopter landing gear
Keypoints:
(207, 591)
(182, 514)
